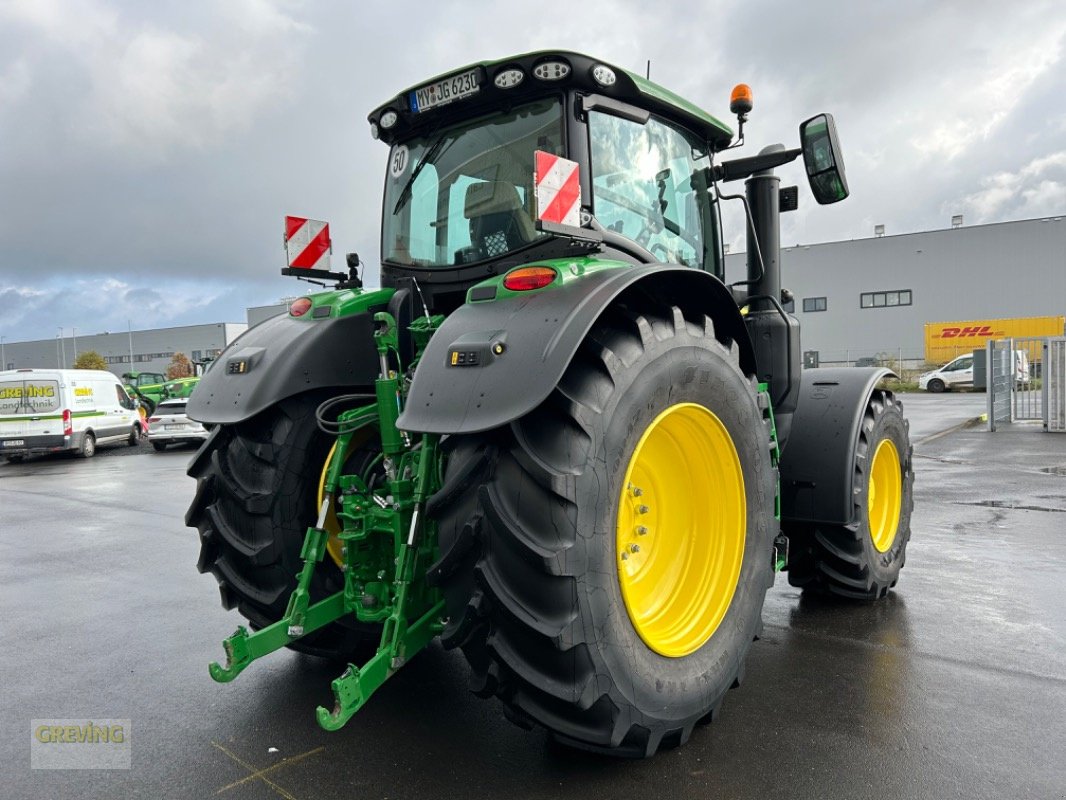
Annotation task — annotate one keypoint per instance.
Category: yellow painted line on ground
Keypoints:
(260, 774)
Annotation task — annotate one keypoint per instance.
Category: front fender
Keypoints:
(523, 344)
(818, 462)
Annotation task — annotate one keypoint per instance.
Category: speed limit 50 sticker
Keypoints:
(398, 162)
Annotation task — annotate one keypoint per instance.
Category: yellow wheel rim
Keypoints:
(333, 525)
(884, 495)
(681, 525)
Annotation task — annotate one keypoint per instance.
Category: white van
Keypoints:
(51, 410)
(959, 373)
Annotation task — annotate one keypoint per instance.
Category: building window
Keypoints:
(896, 297)
(814, 304)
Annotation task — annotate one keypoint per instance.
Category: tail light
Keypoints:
(68, 428)
(524, 279)
(300, 306)
(153, 419)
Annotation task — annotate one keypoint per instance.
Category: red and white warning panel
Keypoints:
(558, 189)
(307, 243)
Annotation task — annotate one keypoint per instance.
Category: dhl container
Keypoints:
(945, 340)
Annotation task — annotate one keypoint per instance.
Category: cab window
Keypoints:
(648, 185)
(465, 194)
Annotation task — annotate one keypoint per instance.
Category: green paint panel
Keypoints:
(344, 302)
(568, 271)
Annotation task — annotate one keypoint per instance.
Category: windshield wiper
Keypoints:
(435, 149)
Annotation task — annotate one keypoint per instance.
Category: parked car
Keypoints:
(958, 373)
(170, 425)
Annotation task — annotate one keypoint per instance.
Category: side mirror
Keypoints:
(823, 160)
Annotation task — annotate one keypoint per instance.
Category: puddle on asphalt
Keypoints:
(1010, 504)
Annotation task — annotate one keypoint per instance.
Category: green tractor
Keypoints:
(183, 387)
(148, 387)
(556, 439)
(153, 387)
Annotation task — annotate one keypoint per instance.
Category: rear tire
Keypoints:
(88, 446)
(862, 560)
(530, 529)
(936, 386)
(257, 482)
(159, 446)
(135, 436)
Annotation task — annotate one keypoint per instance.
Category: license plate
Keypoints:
(173, 427)
(438, 94)
(14, 443)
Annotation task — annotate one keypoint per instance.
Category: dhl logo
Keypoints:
(969, 332)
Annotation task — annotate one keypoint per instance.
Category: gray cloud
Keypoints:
(159, 146)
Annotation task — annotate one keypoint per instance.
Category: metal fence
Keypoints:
(1027, 381)
(999, 383)
(1027, 365)
(1055, 384)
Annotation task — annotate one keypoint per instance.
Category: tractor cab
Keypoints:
(461, 187)
(460, 201)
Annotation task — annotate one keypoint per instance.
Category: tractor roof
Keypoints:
(423, 106)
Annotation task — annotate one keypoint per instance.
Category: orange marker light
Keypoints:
(740, 101)
(525, 278)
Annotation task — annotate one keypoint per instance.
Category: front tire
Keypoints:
(257, 482)
(159, 446)
(534, 519)
(936, 386)
(862, 560)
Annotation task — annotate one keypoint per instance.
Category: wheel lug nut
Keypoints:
(641, 530)
(634, 548)
(642, 509)
(637, 491)
(625, 555)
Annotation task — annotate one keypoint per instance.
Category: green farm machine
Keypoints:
(556, 438)
(151, 388)
(148, 387)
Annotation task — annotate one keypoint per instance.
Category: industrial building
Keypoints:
(870, 298)
(140, 351)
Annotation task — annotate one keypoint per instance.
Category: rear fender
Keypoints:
(818, 460)
(283, 357)
(523, 344)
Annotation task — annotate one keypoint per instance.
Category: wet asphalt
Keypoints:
(955, 686)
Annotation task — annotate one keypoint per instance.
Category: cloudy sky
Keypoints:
(149, 150)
